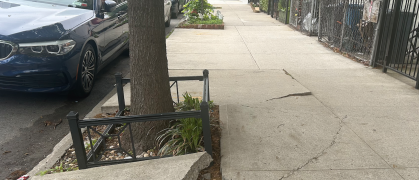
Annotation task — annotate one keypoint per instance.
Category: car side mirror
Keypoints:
(109, 6)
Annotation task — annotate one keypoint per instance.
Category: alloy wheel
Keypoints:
(88, 70)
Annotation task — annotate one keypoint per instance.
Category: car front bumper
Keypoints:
(39, 74)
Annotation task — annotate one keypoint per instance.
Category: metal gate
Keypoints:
(398, 46)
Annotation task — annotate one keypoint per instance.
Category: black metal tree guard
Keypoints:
(90, 160)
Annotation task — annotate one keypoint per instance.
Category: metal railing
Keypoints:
(92, 159)
(398, 48)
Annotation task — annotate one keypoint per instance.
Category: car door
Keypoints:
(114, 30)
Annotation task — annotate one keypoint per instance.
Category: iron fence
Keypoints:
(94, 157)
(342, 26)
(331, 18)
(295, 13)
(283, 11)
(398, 46)
(309, 17)
(304, 16)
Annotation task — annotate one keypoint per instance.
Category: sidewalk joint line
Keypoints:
(247, 48)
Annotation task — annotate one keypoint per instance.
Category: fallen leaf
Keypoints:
(7, 152)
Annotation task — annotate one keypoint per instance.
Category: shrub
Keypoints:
(193, 7)
(185, 136)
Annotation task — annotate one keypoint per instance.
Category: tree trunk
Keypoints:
(150, 90)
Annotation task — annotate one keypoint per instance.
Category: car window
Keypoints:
(82, 4)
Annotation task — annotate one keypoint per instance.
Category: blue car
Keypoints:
(60, 45)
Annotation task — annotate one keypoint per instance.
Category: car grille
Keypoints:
(5, 50)
(33, 81)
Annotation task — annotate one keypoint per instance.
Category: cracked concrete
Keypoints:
(326, 117)
(294, 94)
(318, 155)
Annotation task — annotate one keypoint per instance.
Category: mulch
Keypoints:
(214, 170)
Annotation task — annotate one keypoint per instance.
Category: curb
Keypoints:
(60, 149)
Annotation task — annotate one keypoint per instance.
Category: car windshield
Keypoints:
(83, 4)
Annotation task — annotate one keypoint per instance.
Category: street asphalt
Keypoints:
(27, 120)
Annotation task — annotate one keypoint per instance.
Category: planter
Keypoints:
(201, 26)
(255, 9)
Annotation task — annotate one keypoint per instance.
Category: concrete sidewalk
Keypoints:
(293, 109)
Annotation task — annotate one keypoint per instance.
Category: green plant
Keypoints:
(88, 147)
(57, 169)
(193, 7)
(198, 21)
(189, 103)
(185, 136)
(264, 4)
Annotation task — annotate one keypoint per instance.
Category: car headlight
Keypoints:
(52, 47)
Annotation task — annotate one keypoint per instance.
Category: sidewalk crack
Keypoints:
(319, 154)
(294, 94)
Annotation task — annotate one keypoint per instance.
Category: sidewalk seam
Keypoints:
(247, 48)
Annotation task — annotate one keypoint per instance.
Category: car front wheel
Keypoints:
(86, 72)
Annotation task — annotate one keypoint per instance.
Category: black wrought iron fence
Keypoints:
(397, 46)
(96, 149)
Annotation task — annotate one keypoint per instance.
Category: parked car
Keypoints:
(177, 7)
(54, 46)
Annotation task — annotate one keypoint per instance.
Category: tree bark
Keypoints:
(150, 89)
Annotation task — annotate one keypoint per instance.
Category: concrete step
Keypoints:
(174, 168)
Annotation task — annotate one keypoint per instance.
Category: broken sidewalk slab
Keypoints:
(183, 167)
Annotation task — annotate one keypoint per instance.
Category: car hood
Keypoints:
(22, 19)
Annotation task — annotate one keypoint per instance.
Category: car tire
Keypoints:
(167, 23)
(86, 72)
(176, 13)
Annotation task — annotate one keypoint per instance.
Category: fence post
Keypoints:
(343, 24)
(389, 48)
(206, 127)
(73, 118)
(319, 35)
(379, 32)
(287, 12)
(120, 92)
(206, 73)
(310, 31)
(417, 81)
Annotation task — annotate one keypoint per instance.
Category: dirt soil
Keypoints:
(68, 161)
(214, 170)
